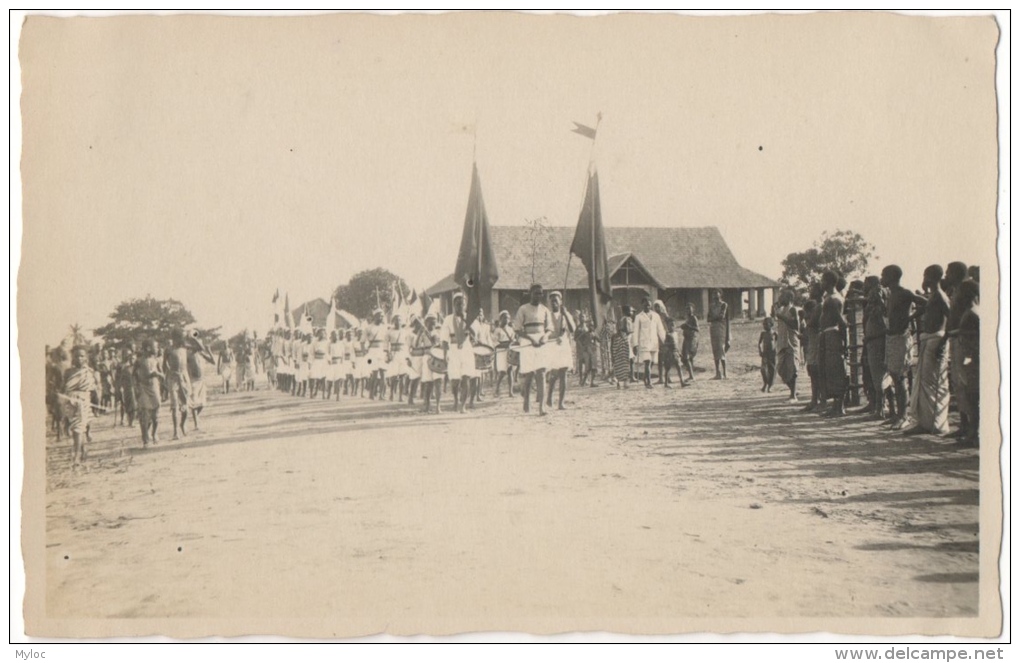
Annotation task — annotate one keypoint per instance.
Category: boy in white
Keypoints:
(460, 357)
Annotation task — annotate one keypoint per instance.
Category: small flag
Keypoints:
(288, 320)
(412, 299)
(584, 130)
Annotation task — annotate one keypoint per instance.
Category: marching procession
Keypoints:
(920, 350)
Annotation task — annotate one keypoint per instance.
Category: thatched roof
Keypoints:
(674, 257)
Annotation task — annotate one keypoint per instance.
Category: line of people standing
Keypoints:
(918, 348)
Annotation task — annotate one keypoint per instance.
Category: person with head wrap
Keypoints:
(350, 380)
(455, 336)
(560, 357)
(375, 354)
(649, 334)
(503, 337)
(481, 337)
(426, 338)
(398, 340)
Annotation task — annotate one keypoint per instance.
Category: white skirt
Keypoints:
(397, 364)
(558, 355)
(460, 362)
(533, 358)
(374, 360)
(318, 369)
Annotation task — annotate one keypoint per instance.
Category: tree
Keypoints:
(359, 295)
(842, 251)
(138, 320)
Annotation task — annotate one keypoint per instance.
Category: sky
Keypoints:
(215, 160)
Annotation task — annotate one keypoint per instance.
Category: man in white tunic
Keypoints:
(648, 334)
(460, 357)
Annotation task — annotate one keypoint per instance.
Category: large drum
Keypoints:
(436, 361)
(484, 357)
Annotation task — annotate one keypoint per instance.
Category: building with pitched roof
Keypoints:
(677, 265)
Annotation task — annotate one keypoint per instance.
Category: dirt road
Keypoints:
(650, 508)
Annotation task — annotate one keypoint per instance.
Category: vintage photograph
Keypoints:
(345, 324)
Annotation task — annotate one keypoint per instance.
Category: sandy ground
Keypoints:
(711, 501)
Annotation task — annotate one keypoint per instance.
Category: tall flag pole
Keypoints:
(476, 271)
(590, 238)
(286, 312)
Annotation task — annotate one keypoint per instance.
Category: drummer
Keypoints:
(559, 355)
(425, 342)
(482, 335)
(459, 353)
(503, 337)
(533, 323)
